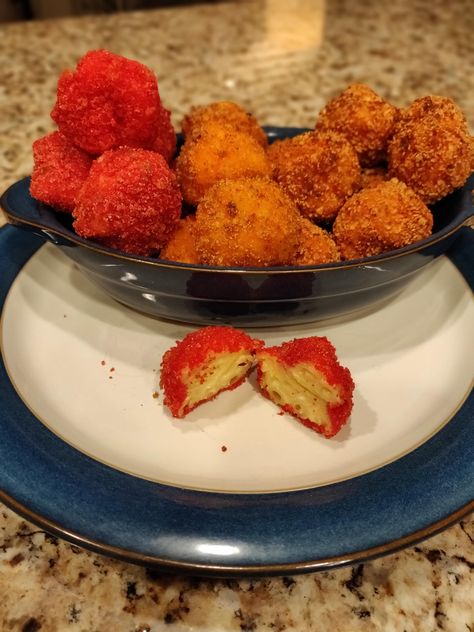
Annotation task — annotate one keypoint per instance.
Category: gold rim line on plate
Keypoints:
(205, 489)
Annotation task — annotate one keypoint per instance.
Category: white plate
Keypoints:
(410, 361)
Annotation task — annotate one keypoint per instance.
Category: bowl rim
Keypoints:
(15, 217)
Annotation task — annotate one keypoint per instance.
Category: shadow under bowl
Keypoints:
(249, 297)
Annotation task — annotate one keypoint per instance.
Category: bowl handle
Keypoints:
(41, 231)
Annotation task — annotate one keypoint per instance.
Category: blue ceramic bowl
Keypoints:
(242, 296)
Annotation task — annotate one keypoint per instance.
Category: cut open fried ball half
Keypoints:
(304, 378)
(203, 364)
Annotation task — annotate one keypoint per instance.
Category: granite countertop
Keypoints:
(281, 59)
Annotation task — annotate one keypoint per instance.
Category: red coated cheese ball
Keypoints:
(59, 171)
(108, 101)
(203, 364)
(305, 379)
(165, 139)
(130, 201)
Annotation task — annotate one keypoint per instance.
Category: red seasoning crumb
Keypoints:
(112, 369)
(59, 171)
(206, 362)
(224, 448)
(305, 379)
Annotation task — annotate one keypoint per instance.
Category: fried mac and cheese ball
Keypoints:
(381, 218)
(224, 113)
(59, 171)
(431, 149)
(246, 222)
(130, 201)
(305, 379)
(205, 363)
(315, 245)
(318, 171)
(218, 152)
(107, 102)
(181, 245)
(364, 118)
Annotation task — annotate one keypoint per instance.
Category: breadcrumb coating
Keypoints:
(59, 171)
(432, 150)
(246, 222)
(108, 101)
(371, 176)
(130, 201)
(364, 118)
(165, 138)
(224, 113)
(181, 245)
(318, 171)
(217, 152)
(305, 379)
(206, 362)
(381, 218)
(315, 245)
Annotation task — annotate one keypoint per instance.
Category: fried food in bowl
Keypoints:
(59, 171)
(316, 245)
(364, 118)
(135, 211)
(218, 152)
(319, 171)
(431, 150)
(380, 219)
(223, 113)
(246, 222)
(182, 244)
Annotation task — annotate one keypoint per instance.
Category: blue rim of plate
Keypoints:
(223, 534)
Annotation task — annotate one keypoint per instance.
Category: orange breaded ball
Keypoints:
(371, 176)
(246, 222)
(130, 201)
(181, 246)
(106, 102)
(318, 171)
(60, 169)
(431, 149)
(226, 113)
(379, 219)
(218, 152)
(364, 118)
(315, 245)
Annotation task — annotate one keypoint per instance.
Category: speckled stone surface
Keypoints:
(282, 59)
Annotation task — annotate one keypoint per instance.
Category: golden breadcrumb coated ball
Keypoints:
(315, 246)
(431, 149)
(217, 152)
(379, 219)
(246, 222)
(371, 176)
(318, 171)
(226, 113)
(181, 246)
(364, 118)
